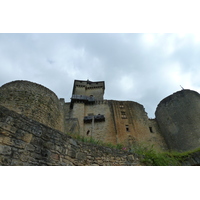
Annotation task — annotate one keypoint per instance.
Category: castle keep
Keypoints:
(176, 126)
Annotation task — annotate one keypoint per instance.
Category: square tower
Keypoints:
(87, 91)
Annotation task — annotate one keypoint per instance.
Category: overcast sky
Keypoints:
(139, 67)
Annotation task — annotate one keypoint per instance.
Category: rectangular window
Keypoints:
(123, 114)
(121, 105)
(127, 128)
(151, 129)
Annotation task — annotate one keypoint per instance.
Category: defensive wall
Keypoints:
(26, 142)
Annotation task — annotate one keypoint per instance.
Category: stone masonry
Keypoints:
(26, 142)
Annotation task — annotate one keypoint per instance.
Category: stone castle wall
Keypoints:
(34, 101)
(125, 123)
(132, 125)
(24, 141)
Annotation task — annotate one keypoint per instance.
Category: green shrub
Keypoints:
(149, 156)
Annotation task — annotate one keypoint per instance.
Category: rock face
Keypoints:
(178, 117)
(34, 101)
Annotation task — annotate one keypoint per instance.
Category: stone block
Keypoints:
(6, 161)
(45, 153)
(24, 158)
(7, 141)
(27, 137)
(48, 145)
(30, 147)
(55, 156)
(19, 133)
(81, 156)
(58, 148)
(4, 132)
(19, 143)
(130, 158)
(5, 150)
(72, 153)
(16, 163)
(73, 142)
(36, 156)
(37, 149)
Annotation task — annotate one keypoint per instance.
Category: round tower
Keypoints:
(178, 117)
(34, 101)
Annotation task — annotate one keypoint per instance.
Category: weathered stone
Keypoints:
(4, 131)
(45, 153)
(130, 158)
(73, 142)
(5, 150)
(81, 156)
(48, 145)
(17, 163)
(27, 137)
(58, 148)
(5, 160)
(55, 156)
(7, 141)
(72, 153)
(29, 147)
(18, 143)
(24, 158)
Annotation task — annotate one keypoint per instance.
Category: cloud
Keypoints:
(139, 67)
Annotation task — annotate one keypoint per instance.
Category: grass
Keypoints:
(151, 157)
(96, 142)
(148, 155)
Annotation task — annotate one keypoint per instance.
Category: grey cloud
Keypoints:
(132, 67)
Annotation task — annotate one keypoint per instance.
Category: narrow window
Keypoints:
(88, 132)
(127, 128)
(121, 105)
(123, 114)
(151, 129)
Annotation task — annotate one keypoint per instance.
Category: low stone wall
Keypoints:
(192, 160)
(26, 142)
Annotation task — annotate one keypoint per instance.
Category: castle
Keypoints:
(176, 126)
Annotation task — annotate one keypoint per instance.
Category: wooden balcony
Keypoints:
(97, 118)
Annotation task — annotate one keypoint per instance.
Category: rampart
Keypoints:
(24, 141)
(34, 101)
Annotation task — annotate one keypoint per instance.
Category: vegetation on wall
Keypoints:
(148, 155)
(151, 157)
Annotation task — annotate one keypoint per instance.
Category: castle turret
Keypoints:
(34, 101)
(178, 117)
